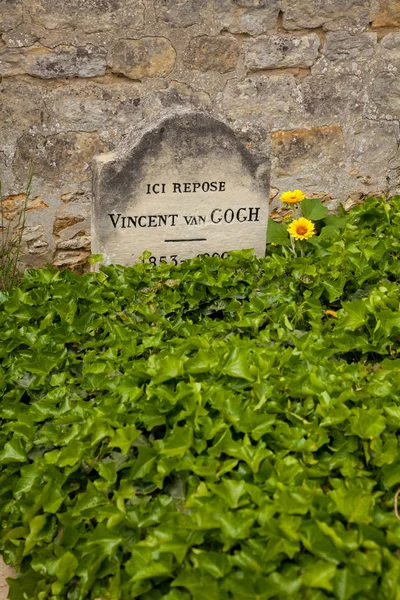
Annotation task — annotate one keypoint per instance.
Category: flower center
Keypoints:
(301, 230)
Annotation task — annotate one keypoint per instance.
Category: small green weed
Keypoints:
(11, 235)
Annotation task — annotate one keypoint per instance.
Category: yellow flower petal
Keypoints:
(332, 313)
(301, 229)
(292, 197)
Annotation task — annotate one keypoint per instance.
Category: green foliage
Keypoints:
(208, 430)
(313, 209)
(11, 242)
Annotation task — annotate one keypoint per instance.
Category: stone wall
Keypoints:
(323, 76)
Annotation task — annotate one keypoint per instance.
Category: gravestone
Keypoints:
(182, 188)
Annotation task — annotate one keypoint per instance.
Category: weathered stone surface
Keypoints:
(20, 37)
(384, 96)
(212, 53)
(14, 204)
(64, 61)
(21, 103)
(354, 15)
(249, 98)
(77, 197)
(300, 156)
(181, 94)
(15, 61)
(34, 238)
(291, 149)
(332, 96)
(251, 3)
(388, 14)
(390, 46)
(146, 57)
(62, 223)
(373, 153)
(184, 187)
(247, 16)
(80, 241)
(84, 61)
(181, 13)
(276, 51)
(54, 38)
(70, 258)
(10, 14)
(90, 15)
(342, 46)
(73, 151)
(87, 106)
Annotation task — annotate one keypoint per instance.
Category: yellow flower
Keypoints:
(301, 229)
(292, 197)
(332, 313)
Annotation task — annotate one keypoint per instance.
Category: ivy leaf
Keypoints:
(13, 451)
(348, 583)
(237, 365)
(66, 567)
(277, 234)
(313, 209)
(356, 505)
(319, 574)
(354, 315)
(178, 442)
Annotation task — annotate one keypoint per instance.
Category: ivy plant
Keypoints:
(221, 429)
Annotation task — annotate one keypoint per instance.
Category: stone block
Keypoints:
(20, 37)
(80, 241)
(145, 57)
(300, 156)
(252, 3)
(33, 238)
(331, 96)
(88, 106)
(89, 15)
(246, 16)
(277, 51)
(68, 259)
(68, 61)
(292, 150)
(21, 104)
(390, 46)
(181, 94)
(10, 14)
(62, 223)
(342, 46)
(66, 156)
(373, 152)
(63, 61)
(384, 96)
(78, 198)
(181, 13)
(353, 15)
(278, 99)
(14, 204)
(388, 14)
(212, 53)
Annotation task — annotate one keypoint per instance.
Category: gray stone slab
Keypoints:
(184, 187)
